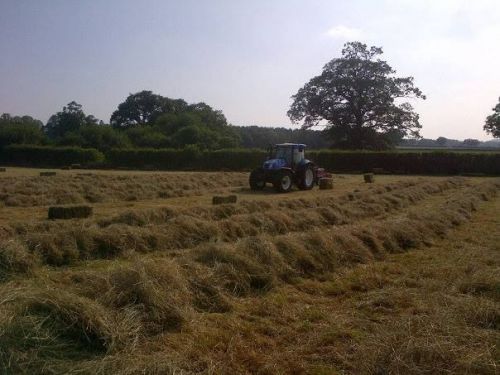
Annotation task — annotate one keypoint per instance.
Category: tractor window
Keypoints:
(283, 153)
(298, 155)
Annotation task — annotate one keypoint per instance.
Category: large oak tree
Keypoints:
(358, 98)
(143, 108)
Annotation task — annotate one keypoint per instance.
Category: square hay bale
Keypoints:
(3, 169)
(224, 199)
(47, 174)
(69, 212)
(369, 177)
(325, 183)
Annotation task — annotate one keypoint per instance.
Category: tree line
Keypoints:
(172, 124)
(357, 100)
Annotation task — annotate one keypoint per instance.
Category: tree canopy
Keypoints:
(151, 120)
(70, 119)
(20, 130)
(492, 125)
(143, 108)
(357, 97)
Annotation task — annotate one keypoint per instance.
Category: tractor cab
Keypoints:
(285, 155)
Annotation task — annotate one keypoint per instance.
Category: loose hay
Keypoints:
(251, 260)
(91, 187)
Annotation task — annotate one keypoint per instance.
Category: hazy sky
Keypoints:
(244, 57)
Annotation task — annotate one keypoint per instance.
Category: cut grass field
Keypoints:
(397, 277)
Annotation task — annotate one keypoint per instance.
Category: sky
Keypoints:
(246, 58)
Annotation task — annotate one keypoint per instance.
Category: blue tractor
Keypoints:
(286, 166)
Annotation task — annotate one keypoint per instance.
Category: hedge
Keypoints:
(186, 159)
(47, 156)
(400, 162)
(191, 158)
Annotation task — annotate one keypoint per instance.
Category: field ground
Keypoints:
(397, 277)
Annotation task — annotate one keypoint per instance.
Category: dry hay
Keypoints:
(52, 323)
(219, 257)
(15, 258)
(169, 228)
(76, 188)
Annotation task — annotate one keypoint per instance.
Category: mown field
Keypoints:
(397, 277)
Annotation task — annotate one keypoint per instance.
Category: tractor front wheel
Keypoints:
(257, 179)
(283, 182)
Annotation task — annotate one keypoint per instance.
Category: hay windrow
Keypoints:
(169, 228)
(15, 258)
(74, 188)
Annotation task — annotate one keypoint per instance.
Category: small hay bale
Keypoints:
(3, 169)
(47, 174)
(220, 199)
(369, 177)
(325, 183)
(76, 166)
(69, 212)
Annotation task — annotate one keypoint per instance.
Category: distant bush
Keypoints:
(46, 156)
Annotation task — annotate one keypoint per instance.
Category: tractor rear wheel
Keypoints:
(257, 179)
(283, 181)
(306, 178)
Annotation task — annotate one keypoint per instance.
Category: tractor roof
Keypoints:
(290, 145)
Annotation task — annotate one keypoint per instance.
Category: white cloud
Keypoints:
(344, 32)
